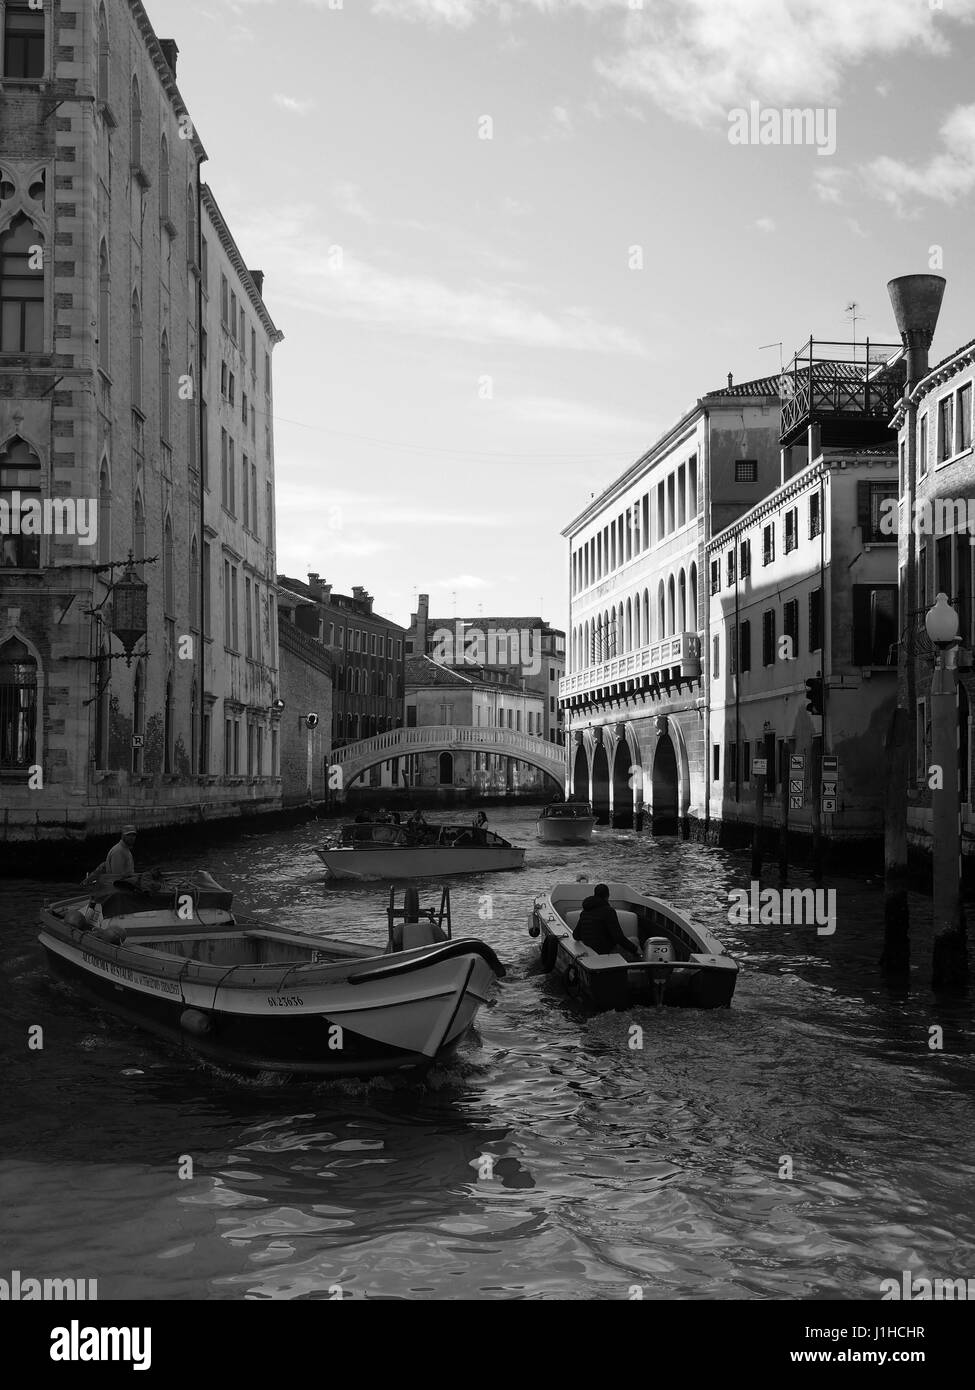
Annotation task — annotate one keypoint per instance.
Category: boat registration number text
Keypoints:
(285, 1001)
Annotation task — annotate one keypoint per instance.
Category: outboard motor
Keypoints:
(658, 950)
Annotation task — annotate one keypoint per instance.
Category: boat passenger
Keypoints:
(599, 927)
(478, 828)
(119, 862)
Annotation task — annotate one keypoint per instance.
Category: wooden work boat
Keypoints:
(433, 851)
(682, 963)
(566, 823)
(171, 955)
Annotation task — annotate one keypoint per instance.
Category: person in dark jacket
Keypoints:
(599, 927)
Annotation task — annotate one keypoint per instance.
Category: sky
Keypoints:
(509, 242)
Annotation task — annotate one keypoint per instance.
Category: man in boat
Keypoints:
(119, 862)
(599, 927)
(479, 828)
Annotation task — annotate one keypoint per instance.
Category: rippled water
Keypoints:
(611, 1167)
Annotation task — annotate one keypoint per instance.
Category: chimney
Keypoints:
(258, 277)
(170, 51)
(422, 619)
(916, 301)
(729, 381)
(363, 596)
(321, 592)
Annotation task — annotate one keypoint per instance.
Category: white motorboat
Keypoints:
(169, 953)
(400, 851)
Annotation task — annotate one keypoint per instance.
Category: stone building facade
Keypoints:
(101, 206)
(805, 586)
(635, 703)
(306, 720)
(942, 514)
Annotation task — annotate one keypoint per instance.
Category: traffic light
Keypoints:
(814, 694)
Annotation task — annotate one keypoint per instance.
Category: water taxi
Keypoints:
(681, 962)
(566, 823)
(379, 850)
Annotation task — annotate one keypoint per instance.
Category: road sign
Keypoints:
(829, 788)
(797, 762)
(829, 764)
(796, 786)
(829, 803)
(795, 803)
(759, 767)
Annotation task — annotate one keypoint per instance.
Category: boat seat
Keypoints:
(630, 923)
(571, 919)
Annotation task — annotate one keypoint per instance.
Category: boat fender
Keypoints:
(74, 918)
(113, 936)
(573, 982)
(196, 1022)
(549, 953)
(411, 905)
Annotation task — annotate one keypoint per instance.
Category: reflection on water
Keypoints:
(552, 1159)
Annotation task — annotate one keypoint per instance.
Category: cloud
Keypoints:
(573, 415)
(338, 285)
(464, 581)
(765, 224)
(697, 59)
(298, 106)
(945, 177)
(830, 185)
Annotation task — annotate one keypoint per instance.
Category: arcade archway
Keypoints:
(580, 775)
(600, 785)
(665, 788)
(622, 790)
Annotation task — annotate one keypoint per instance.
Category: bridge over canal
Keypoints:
(356, 758)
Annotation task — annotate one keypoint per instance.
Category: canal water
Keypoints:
(806, 1143)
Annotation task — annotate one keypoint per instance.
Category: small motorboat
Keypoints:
(169, 953)
(425, 851)
(682, 962)
(566, 823)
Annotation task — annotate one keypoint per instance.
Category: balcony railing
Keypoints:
(681, 652)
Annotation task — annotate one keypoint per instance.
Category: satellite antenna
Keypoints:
(762, 348)
(851, 310)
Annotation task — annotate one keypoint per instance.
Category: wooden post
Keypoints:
(895, 962)
(757, 831)
(816, 778)
(784, 832)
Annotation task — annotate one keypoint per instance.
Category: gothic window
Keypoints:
(23, 40)
(104, 516)
(18, 706)
(104, 304)
(20, 493)
(21, 288)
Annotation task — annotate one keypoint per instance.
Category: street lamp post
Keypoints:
(950, 956)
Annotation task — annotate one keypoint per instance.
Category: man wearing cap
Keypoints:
(119, 861)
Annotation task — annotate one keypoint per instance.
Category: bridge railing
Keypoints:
(444, 735)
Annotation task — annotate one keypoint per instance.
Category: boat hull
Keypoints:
(704, 978)
(419, 861)
(565, 832)
(367, 1015)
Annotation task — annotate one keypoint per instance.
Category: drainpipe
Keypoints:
(202, 751)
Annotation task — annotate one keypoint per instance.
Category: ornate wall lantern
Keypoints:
(130, 605)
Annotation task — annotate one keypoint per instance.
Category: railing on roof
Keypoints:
(829, 380)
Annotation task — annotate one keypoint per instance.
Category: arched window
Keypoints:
(135, 126)
(671, 628)
(104, 516)
(169, 577)
(21, 287)
(20, 489)
(194, 587)
(135, 349)
(586, 645)
(168, 723)
(191, 247)
(661, 612)
(446, 772)
(194, 727)
(139, 534)
(18, 706)
(138, 716)
(104, 310)
(693, 612)
(682, 602)
(165, 381)
(637, 623)
(164, 209)
(103, 55)
(648, 635)
(103, 694)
